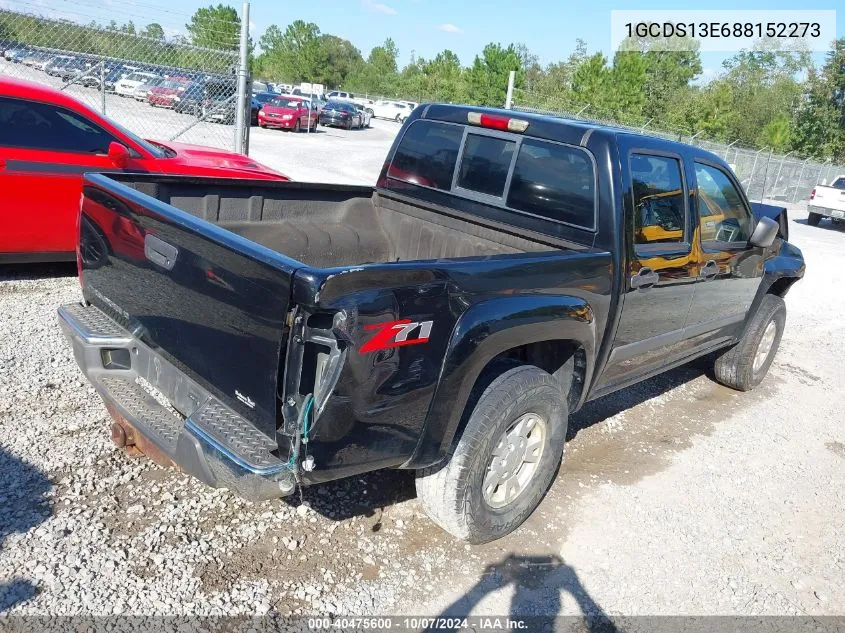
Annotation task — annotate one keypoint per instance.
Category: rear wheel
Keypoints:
(744, 365)
(298, 126)
(813, 219)
(505, 460)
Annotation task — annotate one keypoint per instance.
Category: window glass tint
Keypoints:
(839, 183)
(554, 181)
(485, 164)
(722, 214)
(427, 154)
(42, 126)
(659, 215)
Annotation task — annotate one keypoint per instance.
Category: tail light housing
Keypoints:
(497, 122)
(813, 194)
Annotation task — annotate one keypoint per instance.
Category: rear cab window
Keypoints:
(543, 181)
(839, 183)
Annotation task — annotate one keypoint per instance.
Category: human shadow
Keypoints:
(23, 505)
(536, 601)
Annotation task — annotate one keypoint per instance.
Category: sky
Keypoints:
(420, 27)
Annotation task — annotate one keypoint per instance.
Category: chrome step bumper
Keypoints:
(179, 417)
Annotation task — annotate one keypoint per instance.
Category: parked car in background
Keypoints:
(393, 110)
(410, 104)
(340, 94)
(48, 140)
(341, 114)
(126, 87)
(73, 69)
(141, 92)
(288, 112)
(827, 202)
(55, 65)
(263, 97)
(191, 101)
(18, 55)
(111, 74)
(32, 58)
(366, 117)
(168, 92)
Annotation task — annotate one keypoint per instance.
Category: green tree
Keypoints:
(215, 27)
(153, 30)
(293, 55)
(444, 78)
(488, 76)
(819, 126)
(591, 84)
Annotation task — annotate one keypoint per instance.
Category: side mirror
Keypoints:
(118, 155)
(764, 233)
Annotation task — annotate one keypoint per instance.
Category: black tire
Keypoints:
(451, 493)
(734, 367)
(813, 219)
(298, 127)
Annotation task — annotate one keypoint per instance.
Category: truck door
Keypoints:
(661, 270)
(729, 267)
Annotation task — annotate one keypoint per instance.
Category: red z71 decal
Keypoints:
(396, 333)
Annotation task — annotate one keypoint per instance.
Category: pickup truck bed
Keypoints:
(331, 225)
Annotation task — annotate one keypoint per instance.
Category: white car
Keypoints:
(126, 86)
(393, 110)
(340, 94)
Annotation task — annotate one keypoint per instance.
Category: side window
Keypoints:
(485, 163)
(839, 183)
(554, 181)
(659, 209)
(43, 126)
(427, 154)
(722, 215)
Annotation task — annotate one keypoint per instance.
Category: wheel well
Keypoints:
(781, 286)
(564, 359)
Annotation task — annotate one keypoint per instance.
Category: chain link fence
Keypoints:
(159, 88)
(764, 174)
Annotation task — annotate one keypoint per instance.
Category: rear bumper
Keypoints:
(169, 415)
(828, 213)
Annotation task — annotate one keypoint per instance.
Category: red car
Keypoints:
(288, 112)
(49, 139)
(166, 92)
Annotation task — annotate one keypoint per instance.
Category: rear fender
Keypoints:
(486, 330)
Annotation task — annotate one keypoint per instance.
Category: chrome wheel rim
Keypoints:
(765, 346)
(515, 460)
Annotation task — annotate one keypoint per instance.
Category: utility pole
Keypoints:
(243, 71)
(509, 97)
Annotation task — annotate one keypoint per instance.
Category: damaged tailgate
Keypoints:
(208, 301)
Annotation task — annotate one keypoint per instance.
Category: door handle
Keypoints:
(709, 270)
(646, 278)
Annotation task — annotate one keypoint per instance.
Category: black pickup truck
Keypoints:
(505, 269)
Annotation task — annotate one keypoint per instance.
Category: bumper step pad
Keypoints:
(213, 442)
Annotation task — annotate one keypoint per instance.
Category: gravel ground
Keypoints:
(676, 495)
